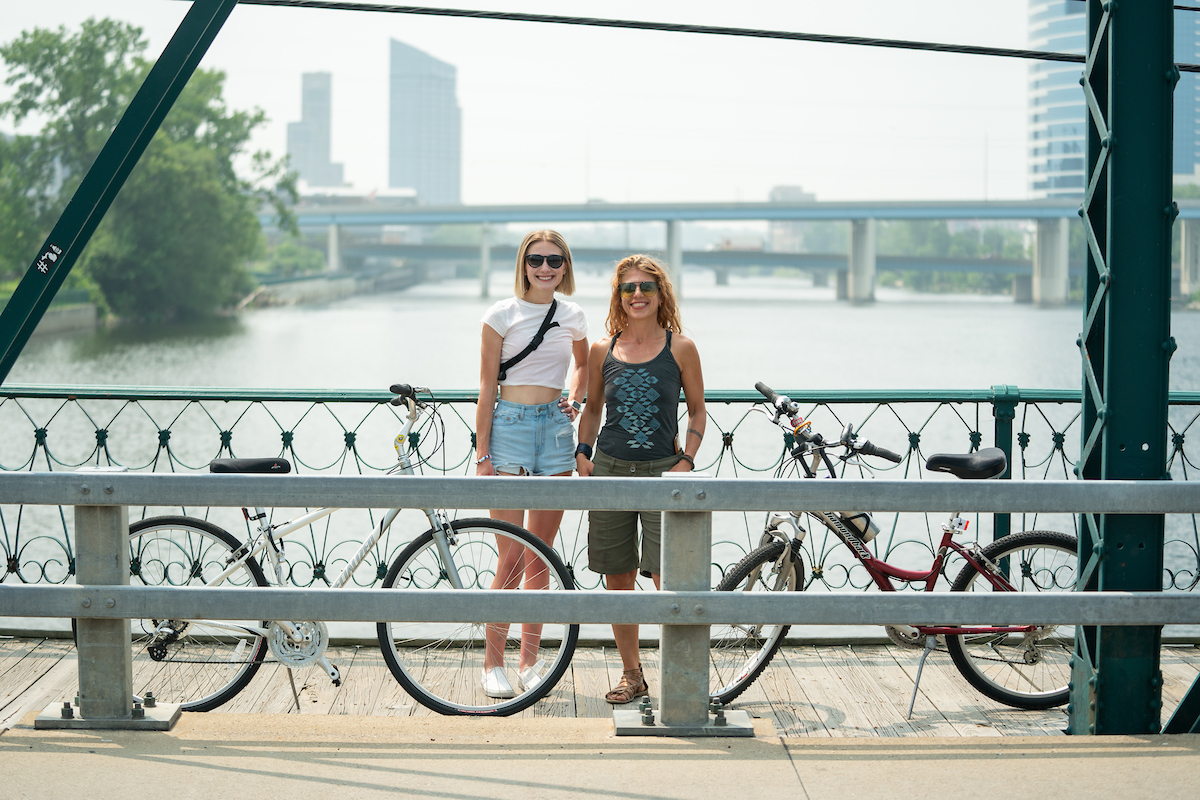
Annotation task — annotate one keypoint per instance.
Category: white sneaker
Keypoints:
(495, 684)
(530, 677)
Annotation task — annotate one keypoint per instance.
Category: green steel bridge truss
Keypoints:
(1128, 80)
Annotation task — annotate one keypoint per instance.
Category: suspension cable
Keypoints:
(596, 22)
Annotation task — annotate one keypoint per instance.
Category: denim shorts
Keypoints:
(532, 440)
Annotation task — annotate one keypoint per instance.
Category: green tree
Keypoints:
(176, 240)
(26, 173)
(290, 257)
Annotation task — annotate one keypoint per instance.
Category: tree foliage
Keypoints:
(177, 237)
(933, 238)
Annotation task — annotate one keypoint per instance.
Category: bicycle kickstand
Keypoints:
(930, 646)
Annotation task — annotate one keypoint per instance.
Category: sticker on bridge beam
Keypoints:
(48, 259)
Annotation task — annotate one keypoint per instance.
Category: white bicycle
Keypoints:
(202, 664)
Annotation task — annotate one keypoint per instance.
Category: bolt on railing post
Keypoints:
(686, 563)
(102, 559)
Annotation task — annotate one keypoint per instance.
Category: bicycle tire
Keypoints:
(1030, 671)
(440, 664)
(740, 653)
(199, 667)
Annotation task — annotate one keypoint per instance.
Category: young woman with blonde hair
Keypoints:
(523, 425)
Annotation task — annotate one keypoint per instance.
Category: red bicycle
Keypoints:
(1024, 666)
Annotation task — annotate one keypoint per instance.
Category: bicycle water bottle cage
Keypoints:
(273, 466)
(989, 462)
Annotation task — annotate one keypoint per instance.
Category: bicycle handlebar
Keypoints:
(784, 405)
(774, 398)
(868, 449)
(406, 394)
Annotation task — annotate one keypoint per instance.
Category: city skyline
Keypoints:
(424, 126)
(308, 141)
(1057, 113)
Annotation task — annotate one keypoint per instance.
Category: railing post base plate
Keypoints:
(161, 717)
(628, 722)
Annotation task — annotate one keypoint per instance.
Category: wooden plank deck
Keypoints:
(846, 690)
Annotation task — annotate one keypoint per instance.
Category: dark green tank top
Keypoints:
(641, 404)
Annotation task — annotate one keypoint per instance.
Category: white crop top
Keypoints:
(517, 321)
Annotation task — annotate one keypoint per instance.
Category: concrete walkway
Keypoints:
(211, 756)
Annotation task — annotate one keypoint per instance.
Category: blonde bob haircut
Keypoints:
(567, 286)
(668, 308)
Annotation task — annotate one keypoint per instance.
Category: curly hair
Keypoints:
(668, 308)
(567, 286)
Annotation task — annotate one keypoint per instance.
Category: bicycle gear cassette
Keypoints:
(298, 654)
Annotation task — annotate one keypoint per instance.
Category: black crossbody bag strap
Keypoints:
(537, 341)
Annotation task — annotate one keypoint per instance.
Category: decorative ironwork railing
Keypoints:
(352, 432)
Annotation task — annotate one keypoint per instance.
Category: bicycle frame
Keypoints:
(881, 572)
(268, 537)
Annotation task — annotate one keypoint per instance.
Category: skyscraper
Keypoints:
(1057, 111)
(308, 139)
(425, 126)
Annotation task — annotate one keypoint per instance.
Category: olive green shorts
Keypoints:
(613, 535)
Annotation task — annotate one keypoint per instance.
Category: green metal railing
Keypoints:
(352, 432)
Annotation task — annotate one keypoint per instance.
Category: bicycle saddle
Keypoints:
(987, 463)
(276, 466)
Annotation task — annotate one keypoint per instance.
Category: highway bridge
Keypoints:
(1044, 279)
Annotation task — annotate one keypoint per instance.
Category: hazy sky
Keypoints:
(560, 114)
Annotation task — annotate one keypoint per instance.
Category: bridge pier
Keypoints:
(860, 280)
(485, 259)
(334, 252)
(1189, 257)
(1050, 281)
(675, 254)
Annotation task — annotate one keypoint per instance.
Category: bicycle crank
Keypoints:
(302, 650)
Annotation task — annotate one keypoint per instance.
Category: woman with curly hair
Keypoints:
(642, 364)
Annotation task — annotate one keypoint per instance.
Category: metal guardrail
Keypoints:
(685, 608)
(688, 492)
(328, 432)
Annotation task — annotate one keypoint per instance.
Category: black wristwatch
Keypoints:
(584, 450)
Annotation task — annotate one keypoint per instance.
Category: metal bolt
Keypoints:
(138, 711)
(719, 717)
(700, 495)
(108, 490)
(85, 489)
(676, 494)
(109, 602)
(648, 716)
(86, 602)
(67, 711)
(149, 701)
(699, 609)
(644, 705)
(674, 608)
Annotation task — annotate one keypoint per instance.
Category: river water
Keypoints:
(777, 330)
(781, 331)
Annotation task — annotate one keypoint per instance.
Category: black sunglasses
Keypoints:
(649, 288)
(535, 260)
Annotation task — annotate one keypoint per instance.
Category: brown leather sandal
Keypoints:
(632, 685)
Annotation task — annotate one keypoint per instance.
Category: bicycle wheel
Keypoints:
(1023, 670)
(739, 653)
(441, 664)
(199, 664)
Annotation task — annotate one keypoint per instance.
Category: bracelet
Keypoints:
(488, 457)
(687, 458)
(584, 450)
